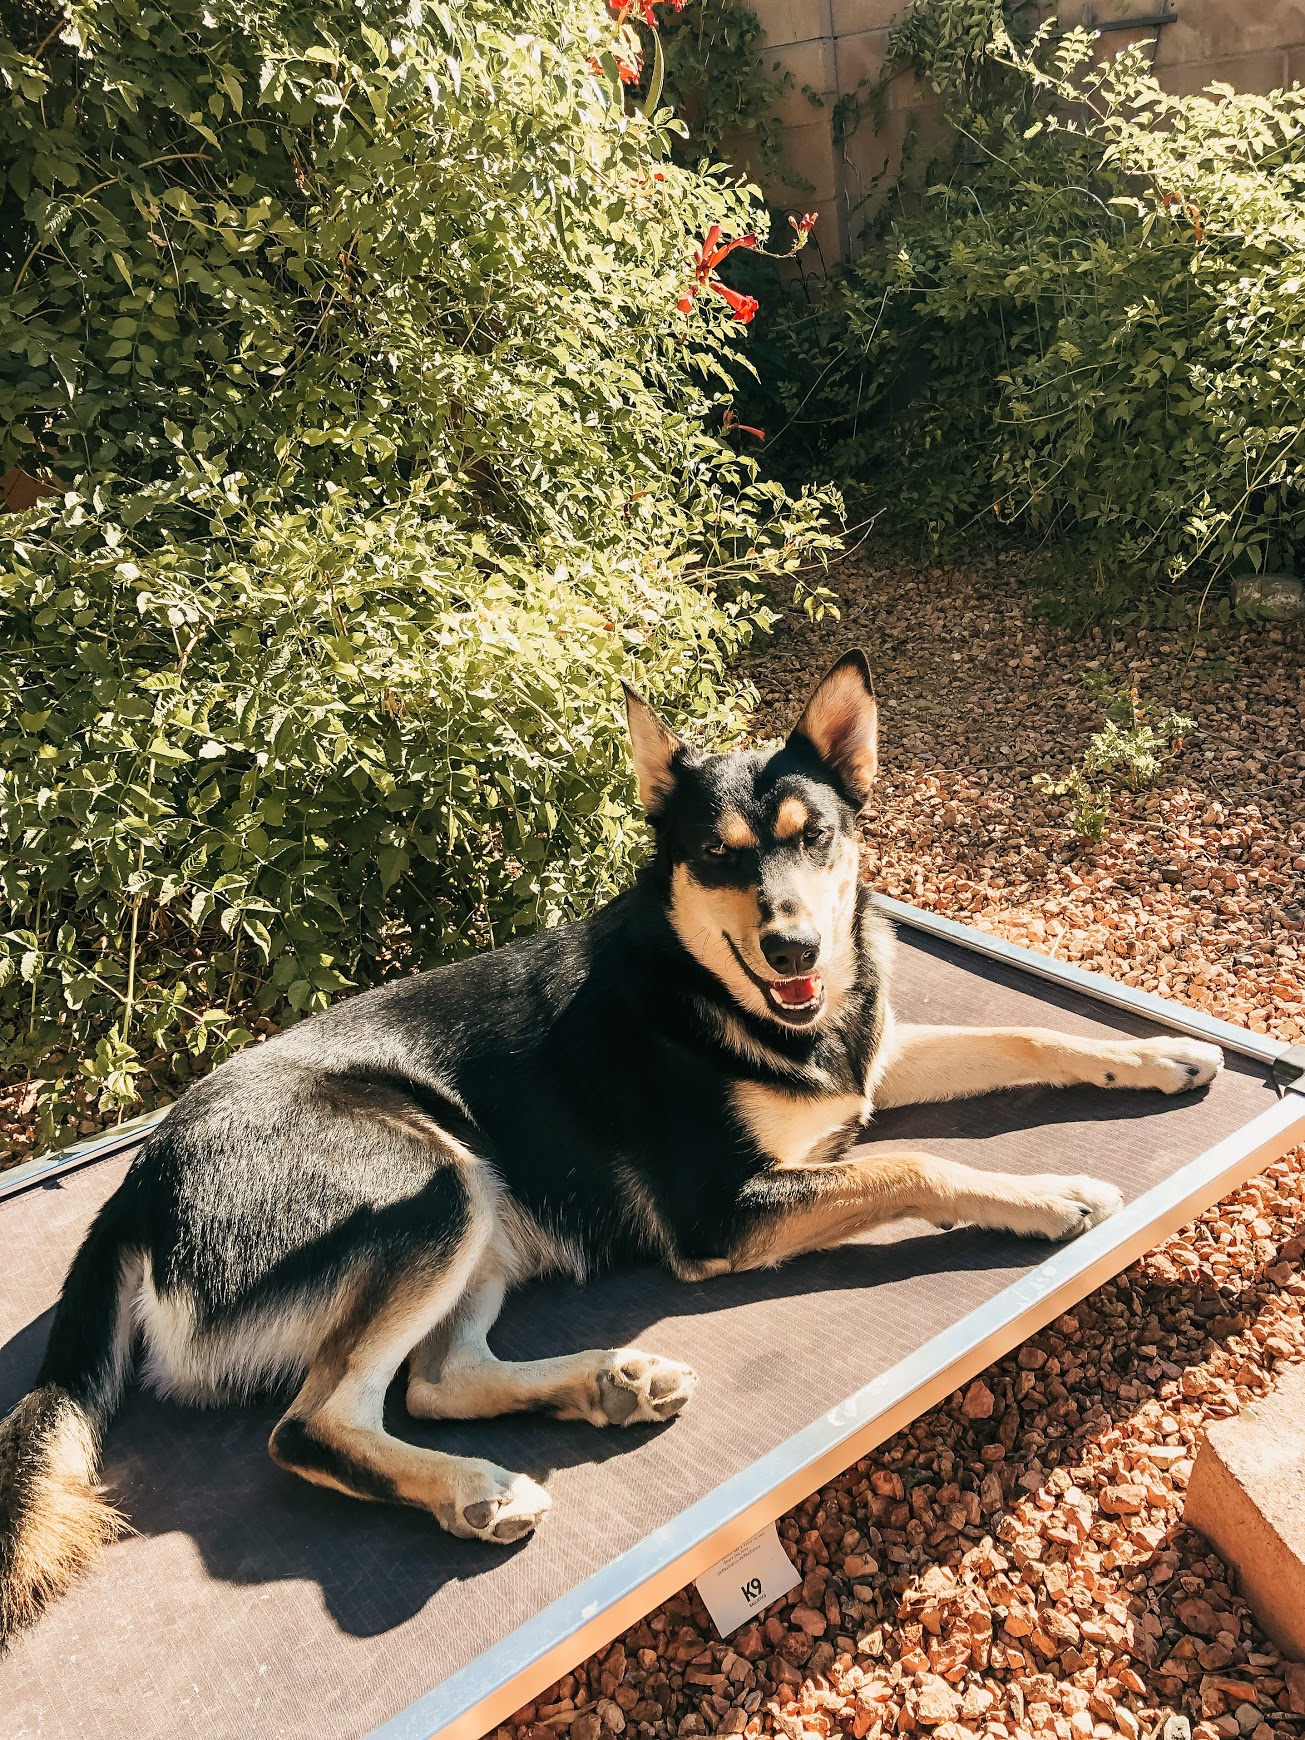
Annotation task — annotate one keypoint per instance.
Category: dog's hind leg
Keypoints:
(455, 1376)
(788, 1210)
(947, 1063)
(334, 1434)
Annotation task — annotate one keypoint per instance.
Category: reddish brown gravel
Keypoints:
(1015, 1564)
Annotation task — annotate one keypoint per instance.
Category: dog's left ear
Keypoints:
(655, 746)
(841, 723)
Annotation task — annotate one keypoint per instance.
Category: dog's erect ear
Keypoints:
(654, 748)
(841, 723)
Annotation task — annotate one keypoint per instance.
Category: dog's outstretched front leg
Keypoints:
(784, 1212)
(948, 1063)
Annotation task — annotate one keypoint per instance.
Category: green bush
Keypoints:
(351, 335)
(1083, 326)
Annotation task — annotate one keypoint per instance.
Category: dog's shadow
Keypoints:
(206, 1473)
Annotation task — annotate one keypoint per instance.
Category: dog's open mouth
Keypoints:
(794, 1000)
(794, 996)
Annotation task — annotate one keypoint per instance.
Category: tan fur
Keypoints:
(919, 1065)
(790, 818)
(461, 1379)
(735, 832)
(705, 1269)
(525, 1251)
(204, 1368)
(856, 1195)
(793, 1128)
(842, 723)
(827, 899)
(654, 746)
(467, 1495)
(63, 1524)
(701, 917)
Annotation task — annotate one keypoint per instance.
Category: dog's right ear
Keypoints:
(654, 748)
(841, 723)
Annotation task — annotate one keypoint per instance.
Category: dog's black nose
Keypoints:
(791, 955)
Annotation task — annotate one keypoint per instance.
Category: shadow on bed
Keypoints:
(206, 1473)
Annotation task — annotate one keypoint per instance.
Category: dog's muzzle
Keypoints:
(796, 1001)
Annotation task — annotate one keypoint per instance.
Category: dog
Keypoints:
(676, 1079)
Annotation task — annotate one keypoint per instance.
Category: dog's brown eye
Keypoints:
(817, 836)
(716, 848)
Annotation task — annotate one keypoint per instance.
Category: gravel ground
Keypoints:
(1015, 1564)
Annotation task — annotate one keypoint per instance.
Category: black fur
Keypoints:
(574, 1065)
(295, 1445)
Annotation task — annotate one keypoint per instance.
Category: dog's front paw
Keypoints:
(488, 1503)
(1169, 1065)
(1062, 1207)
(640, 1387)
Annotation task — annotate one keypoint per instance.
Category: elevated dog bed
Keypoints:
(250, 1604)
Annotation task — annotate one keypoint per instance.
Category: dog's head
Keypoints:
(761, 847)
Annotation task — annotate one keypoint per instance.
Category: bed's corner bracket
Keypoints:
(1287, 1071)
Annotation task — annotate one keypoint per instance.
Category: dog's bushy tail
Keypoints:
(53, 1522)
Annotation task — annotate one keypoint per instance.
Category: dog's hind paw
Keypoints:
(1059, 1207)
(635, 1388)
(490, 1504)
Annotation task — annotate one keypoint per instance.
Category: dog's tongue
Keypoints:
(797, 991)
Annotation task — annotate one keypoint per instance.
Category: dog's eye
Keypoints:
(815, 836)
(716, 849)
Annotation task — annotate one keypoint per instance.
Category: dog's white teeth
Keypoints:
(780, 1003)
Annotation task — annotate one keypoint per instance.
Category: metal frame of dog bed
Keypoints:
(516, 1668)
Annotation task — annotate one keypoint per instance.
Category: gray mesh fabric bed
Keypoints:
(249, 1604)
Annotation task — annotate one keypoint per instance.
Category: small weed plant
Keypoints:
(1129, 747)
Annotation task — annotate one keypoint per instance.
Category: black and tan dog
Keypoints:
(674, 1080)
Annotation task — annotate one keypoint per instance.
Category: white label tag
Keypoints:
(746, 1580)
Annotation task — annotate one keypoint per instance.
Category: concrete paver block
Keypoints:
(1247, 1496)
(789, 21)
(851, 16)
(1262, 72)
(813, 68)
(860, 57)
(809, 154)
(1213, 30)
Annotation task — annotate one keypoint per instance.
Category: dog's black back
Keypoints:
(593, 1068)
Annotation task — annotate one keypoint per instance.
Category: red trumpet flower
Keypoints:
(713, 251)
(629, 74)
(705, 262)
(731, 422)
(623, 9)
(742, 307)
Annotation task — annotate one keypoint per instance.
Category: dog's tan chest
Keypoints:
(791, 1129)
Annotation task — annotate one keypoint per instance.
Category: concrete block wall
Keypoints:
(835, 48)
